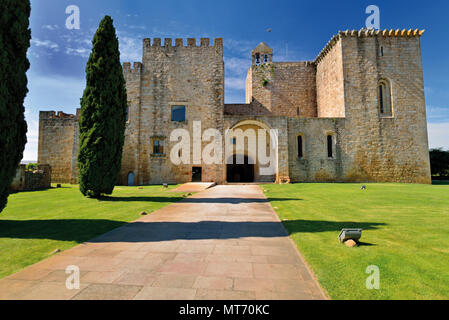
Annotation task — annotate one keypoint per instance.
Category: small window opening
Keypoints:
(381, 98)
(178, 113)
(158, 147)
(330, 151)
(300, 147)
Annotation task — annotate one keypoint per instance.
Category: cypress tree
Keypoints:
(103, 115)
(15, 39)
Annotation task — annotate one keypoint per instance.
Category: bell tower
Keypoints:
(262, 54)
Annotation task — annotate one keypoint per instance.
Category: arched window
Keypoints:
(300, 147)
(384, 93)
(330, 146)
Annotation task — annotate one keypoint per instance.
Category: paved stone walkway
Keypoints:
(222, 243)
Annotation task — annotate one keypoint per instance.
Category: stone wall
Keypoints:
(172, 74)
(280, 88)
(56, 139)
(378, 148)
(315, 165)
(330, 84)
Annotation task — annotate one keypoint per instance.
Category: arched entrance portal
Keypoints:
(240, 173)
(257, 171)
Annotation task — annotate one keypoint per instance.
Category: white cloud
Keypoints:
(439, 135)
(82, 52)
(30, 153)
(437, 114)
(130, 48)
(235, 83)
(50, 27)
(45, 43)
(237, 66)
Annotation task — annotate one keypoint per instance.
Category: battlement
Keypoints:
(137, 67)
(48, 115)
(54, 115)
(179, 43)
(365, 33)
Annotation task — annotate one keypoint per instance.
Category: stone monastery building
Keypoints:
(356, 113)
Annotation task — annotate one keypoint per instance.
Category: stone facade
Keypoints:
(350, 129)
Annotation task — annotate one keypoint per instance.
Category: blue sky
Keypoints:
(299, 30)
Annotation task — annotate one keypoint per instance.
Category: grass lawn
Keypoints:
(406, 234)
(34, 224)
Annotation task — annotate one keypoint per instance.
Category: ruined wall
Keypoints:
(378, 148)
(192, 76)
(330, 83)
(56, 138)
(32, 180)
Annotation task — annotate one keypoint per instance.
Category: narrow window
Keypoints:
(127, 114)
(234, 141)
(381, 98)
(178, 113)
(158, 147)
(330, 151)
(257, 58)
(300, 147)
(385, 107)
(298, 111)
(381, 51)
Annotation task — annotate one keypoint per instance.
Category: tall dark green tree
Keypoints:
(15, 39)
(439, 162)
(103, 115)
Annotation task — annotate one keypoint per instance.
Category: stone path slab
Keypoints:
(194, 187)
(222, 243)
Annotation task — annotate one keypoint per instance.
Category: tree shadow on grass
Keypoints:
(311, 226)
(440, 182)
(139, 199)
(64, 230)
(141, 231)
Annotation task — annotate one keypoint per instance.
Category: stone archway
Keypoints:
(251, 170)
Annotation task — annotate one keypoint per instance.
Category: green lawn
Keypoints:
(406, 234)
(34, 224)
